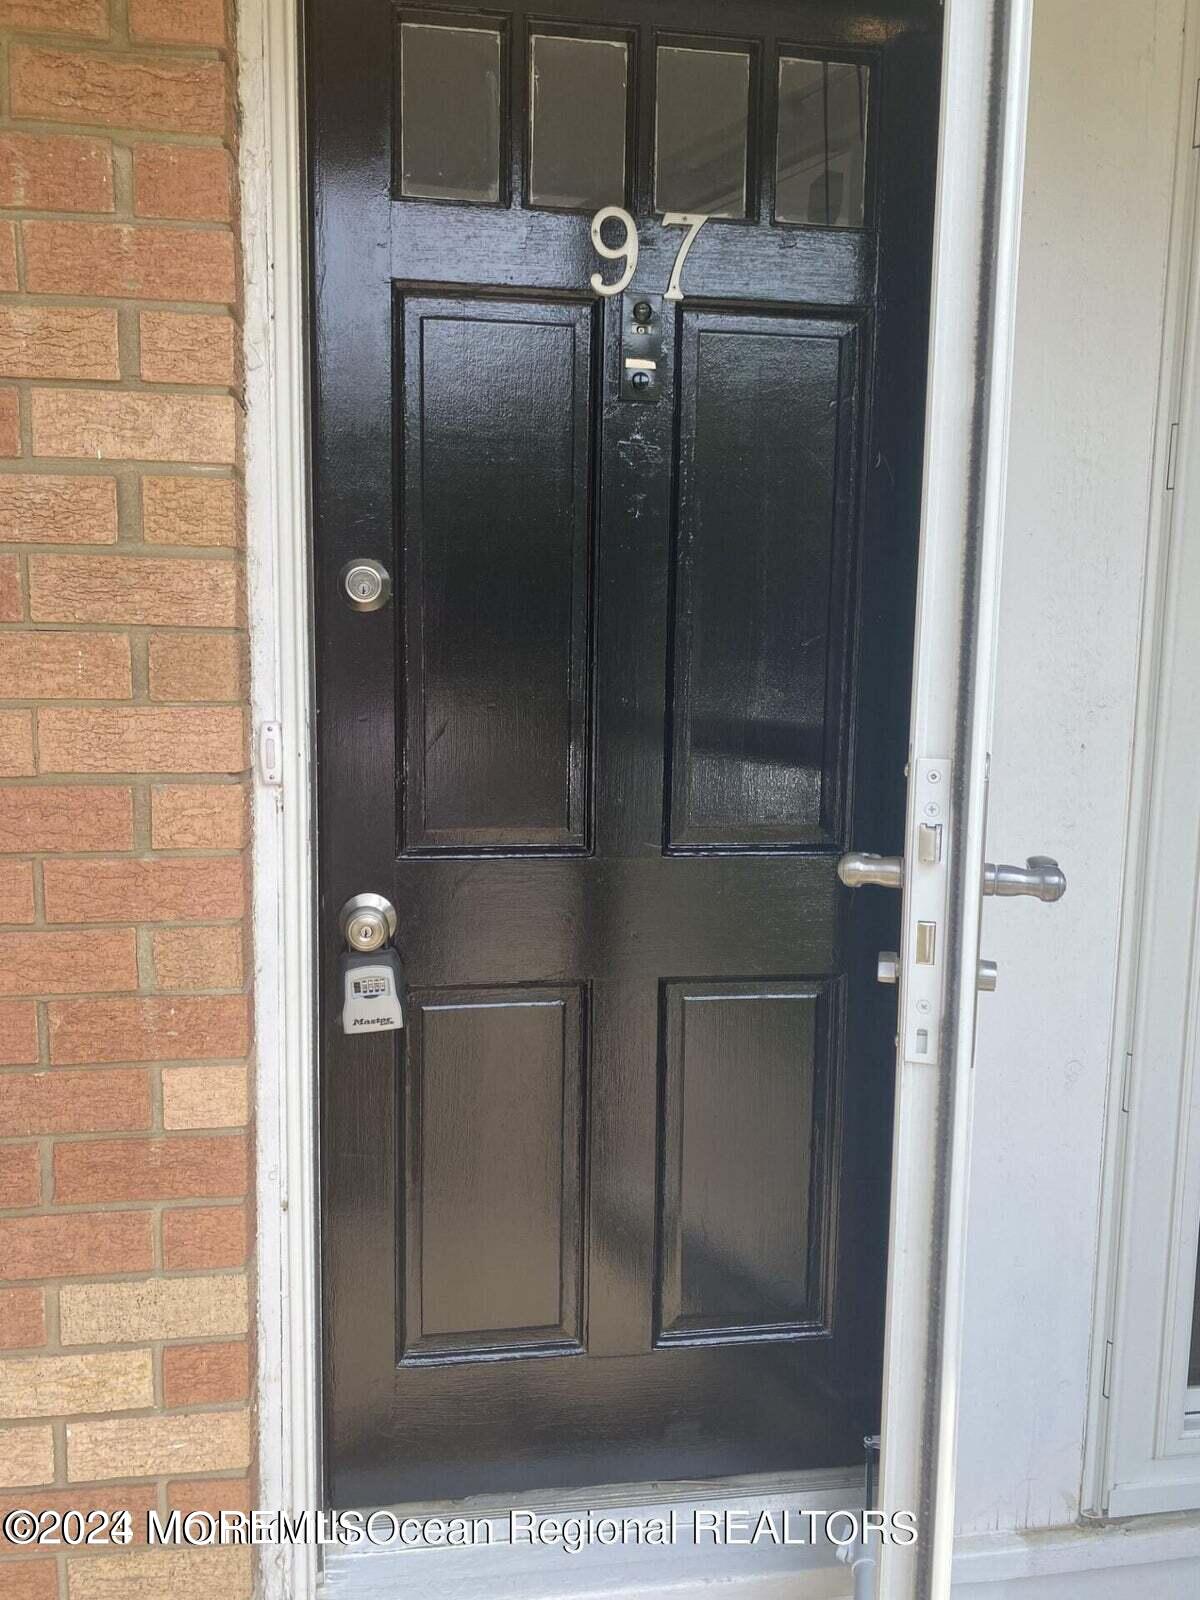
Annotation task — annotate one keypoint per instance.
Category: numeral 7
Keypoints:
(693, 222)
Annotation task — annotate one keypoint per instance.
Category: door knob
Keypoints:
(368, 922)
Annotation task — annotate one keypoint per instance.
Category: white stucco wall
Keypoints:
(1104, 103)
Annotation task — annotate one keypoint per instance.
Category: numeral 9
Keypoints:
(627, 250)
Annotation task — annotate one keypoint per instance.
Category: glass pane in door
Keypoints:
(449, 157)
(820, 170)
(701, 131)
(577, 110)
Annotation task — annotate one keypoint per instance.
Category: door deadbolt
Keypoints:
(368, 922)
(367, 585)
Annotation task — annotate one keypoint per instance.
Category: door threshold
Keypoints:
(826, 1583)
(695, 1556)
(767, 1486)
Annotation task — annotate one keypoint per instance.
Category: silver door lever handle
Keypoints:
(1041, 876)
(859, 867)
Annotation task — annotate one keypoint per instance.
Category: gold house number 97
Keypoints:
(627, 250)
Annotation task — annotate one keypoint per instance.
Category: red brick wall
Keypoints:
(124, 1020)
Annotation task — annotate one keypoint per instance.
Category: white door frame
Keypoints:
(978, 208)
(287, 1291)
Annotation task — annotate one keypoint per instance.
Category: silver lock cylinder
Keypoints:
(368, 922)
(367, 584)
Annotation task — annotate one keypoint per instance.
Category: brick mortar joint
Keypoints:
(119, 46)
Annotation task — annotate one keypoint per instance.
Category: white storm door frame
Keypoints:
(985, 80)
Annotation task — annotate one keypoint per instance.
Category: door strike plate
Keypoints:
(641, 348)
(925, 913)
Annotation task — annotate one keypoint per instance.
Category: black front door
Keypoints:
(613, 1206)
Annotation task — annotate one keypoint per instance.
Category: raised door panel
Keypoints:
(746, 1160)
(493, 1256)
(761, 609)
(496, 539)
